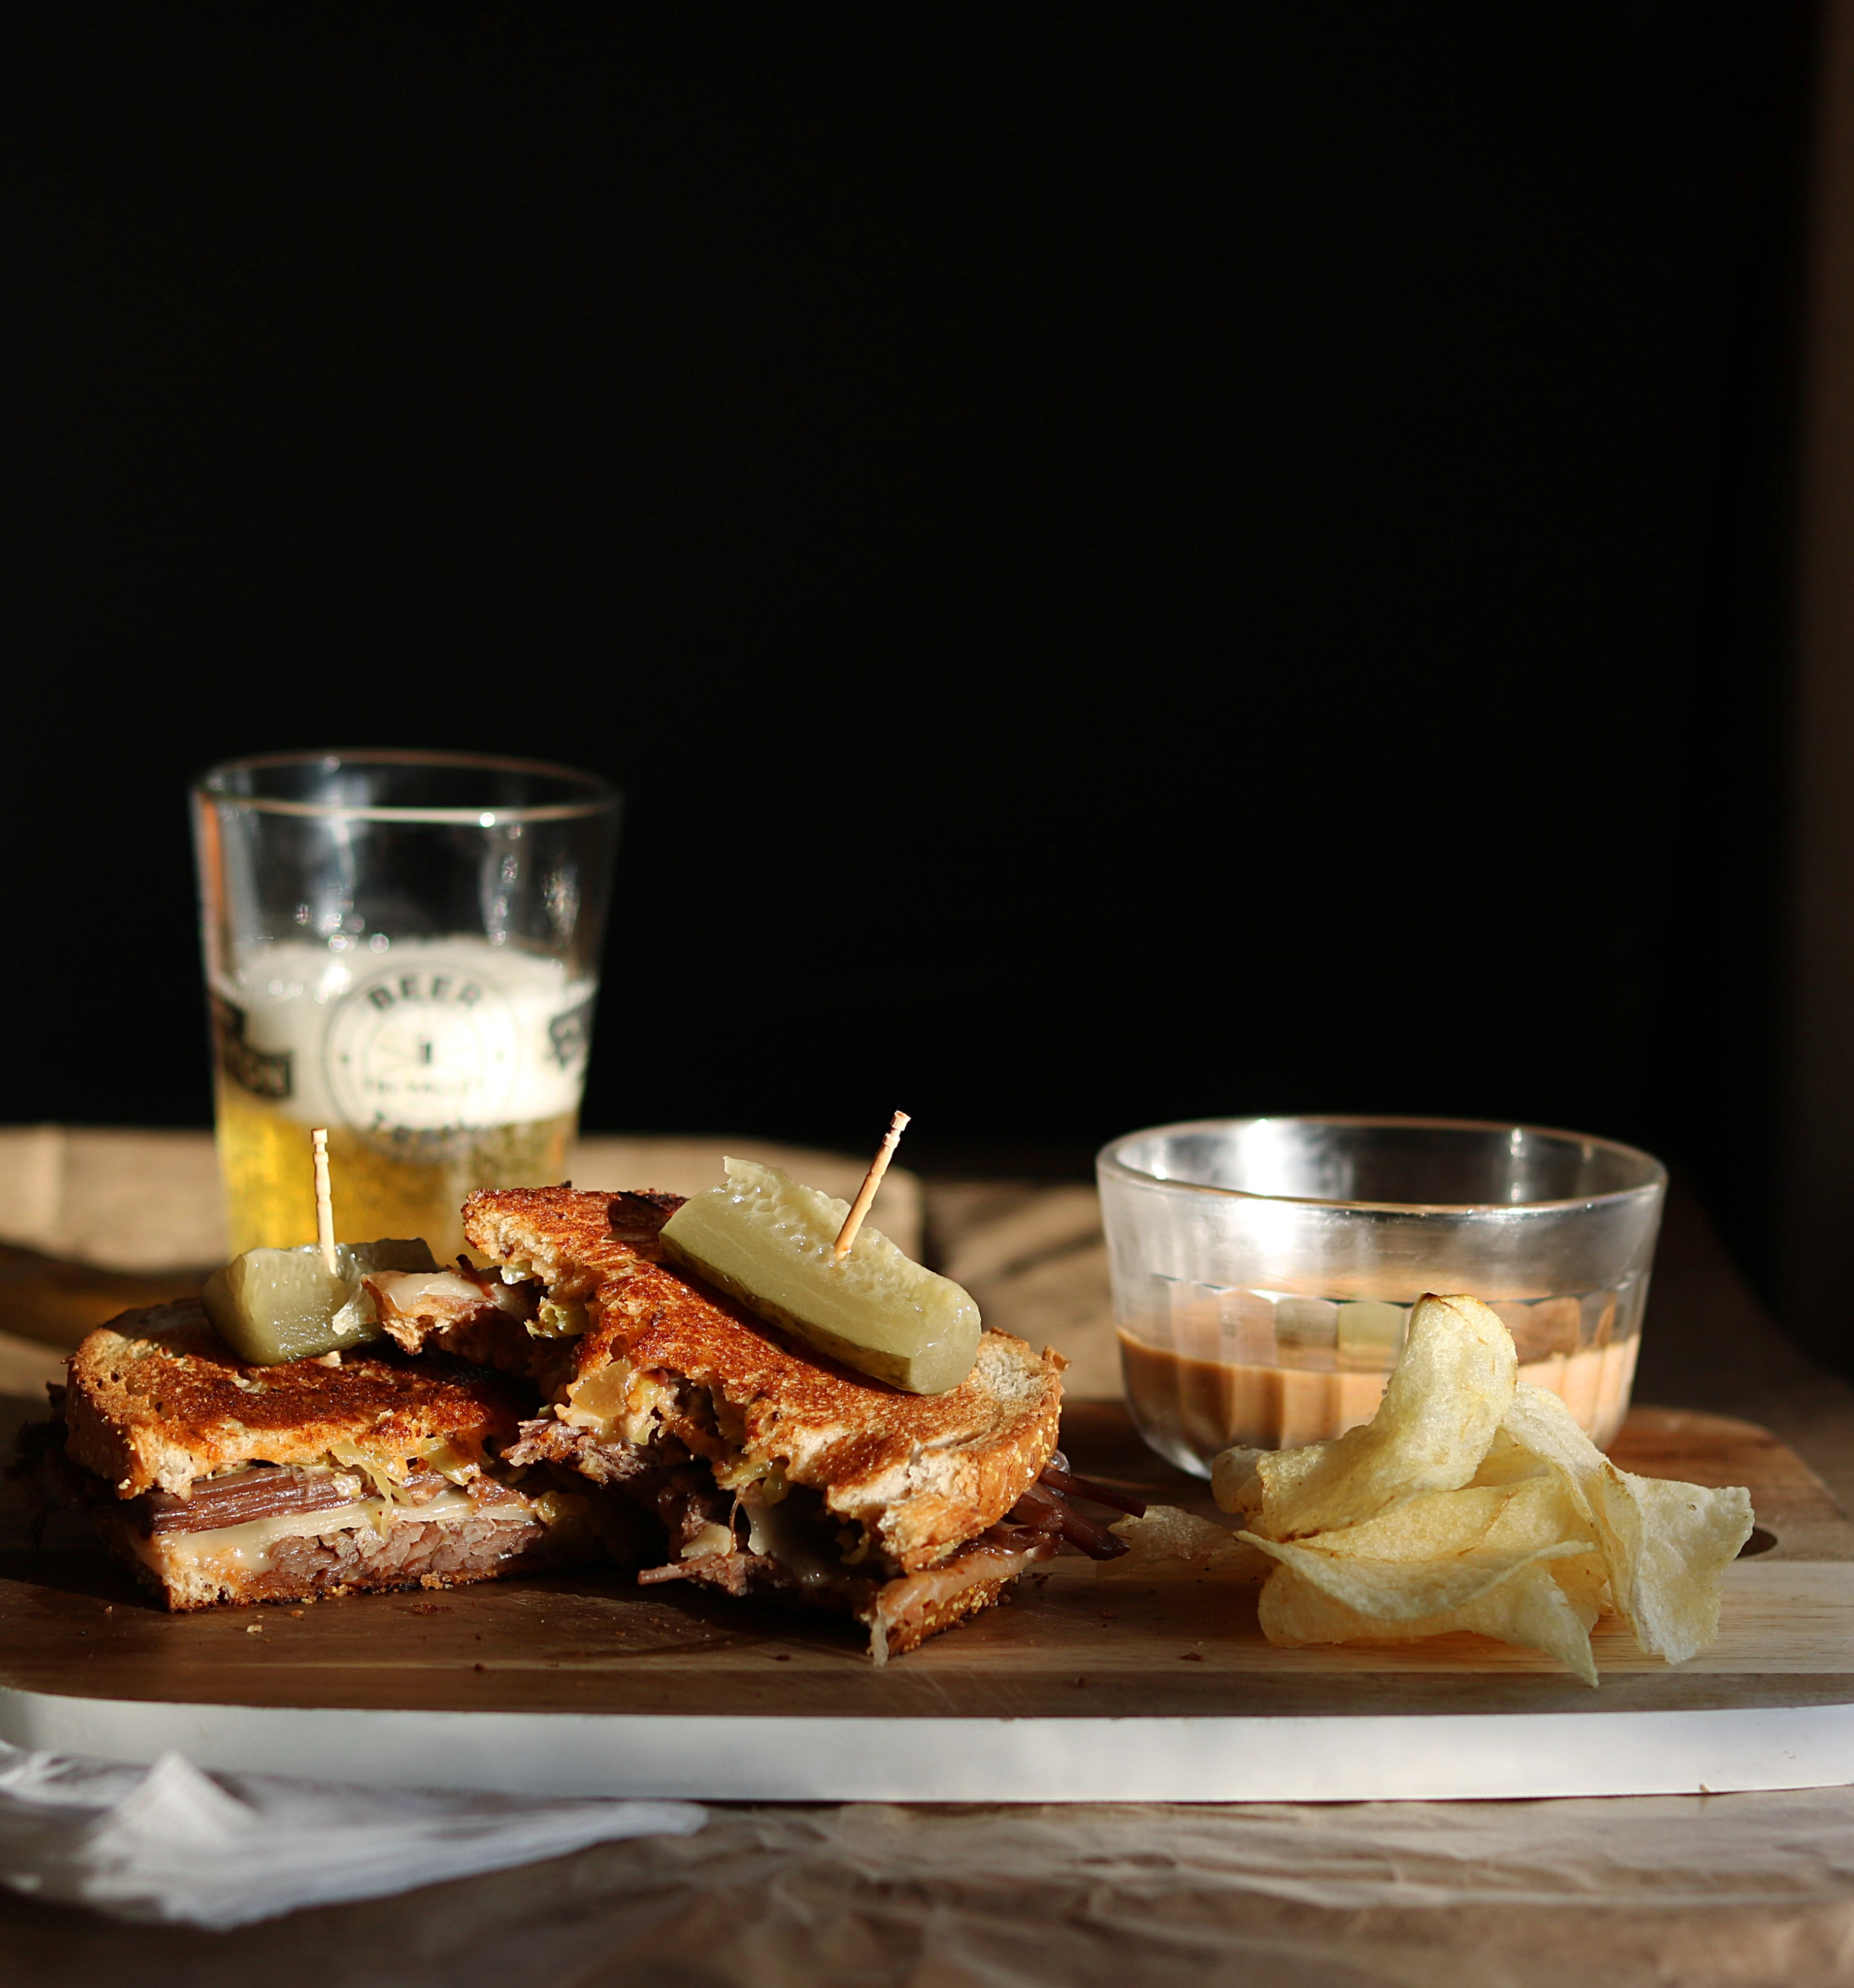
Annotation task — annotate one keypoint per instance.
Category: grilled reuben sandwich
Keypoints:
(218, 1481)
(771, 1470)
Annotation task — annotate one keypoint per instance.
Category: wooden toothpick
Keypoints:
(325, 1204)
(871, 1180)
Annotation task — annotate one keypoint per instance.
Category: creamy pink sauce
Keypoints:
(1206, 1406)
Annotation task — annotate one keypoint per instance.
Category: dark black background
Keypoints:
(1128, 567)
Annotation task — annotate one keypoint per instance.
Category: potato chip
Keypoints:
(1406, 1591)
(1472, 1501)
(1665, 1545)
(1235, 1483)
(1529, 1609)
(1506, 1462)
(1508, 1518)
(1585, 1582)
(1440, 1409)
(1538, 1425)
(1672, 1544)
(1166, 1534)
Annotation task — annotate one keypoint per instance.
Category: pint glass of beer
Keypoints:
(402, 947)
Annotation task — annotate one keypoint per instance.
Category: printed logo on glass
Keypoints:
(424, 1049)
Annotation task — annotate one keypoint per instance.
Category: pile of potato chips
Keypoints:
(1472, 1500)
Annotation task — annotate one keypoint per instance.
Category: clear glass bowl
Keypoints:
(1264, 1269)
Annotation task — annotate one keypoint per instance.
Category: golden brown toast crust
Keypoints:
(491, 1338)
(938, 1617)
(925, 1472)
(572, 1239)
(156, 1398)
(569, 1240)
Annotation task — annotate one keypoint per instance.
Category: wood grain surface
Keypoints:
(1073, 1642)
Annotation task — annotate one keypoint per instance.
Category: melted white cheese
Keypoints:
(935, 1586)
(245, 1549)
(778, 1531)
(714, 1538)
(614, 1402)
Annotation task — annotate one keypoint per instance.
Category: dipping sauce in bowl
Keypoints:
(1264, 1269)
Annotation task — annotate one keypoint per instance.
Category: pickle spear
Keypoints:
(767, 1240)
(273, 1305)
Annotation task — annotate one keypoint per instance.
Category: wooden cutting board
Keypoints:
(1091, 1683)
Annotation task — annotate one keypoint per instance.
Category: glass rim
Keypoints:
(601, 796)
(1109, 1162)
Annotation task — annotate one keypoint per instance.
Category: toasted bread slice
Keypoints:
(665, 1355)
(156, 1399)
(567, 1242)
(572, 1241)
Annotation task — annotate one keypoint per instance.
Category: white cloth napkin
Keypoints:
(169, 1843)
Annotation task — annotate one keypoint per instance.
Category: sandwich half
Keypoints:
(769, 1470)
(216, 1482)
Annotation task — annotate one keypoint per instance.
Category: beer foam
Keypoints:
(420, 1034)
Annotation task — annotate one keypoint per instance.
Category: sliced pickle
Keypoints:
(273, 1305)
(768, 1241)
